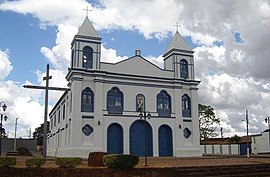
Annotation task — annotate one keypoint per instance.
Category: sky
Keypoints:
(231, 41)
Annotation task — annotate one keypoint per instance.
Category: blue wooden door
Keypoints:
(115, 139)
(138, 136)
(243, 149)
(165, 142)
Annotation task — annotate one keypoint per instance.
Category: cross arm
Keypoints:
(44, 88)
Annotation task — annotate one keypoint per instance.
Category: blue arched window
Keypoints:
(115, 100)
(184, 69)
(87, 61)
(140, 103)
(186, 106)
(164, 104)
(87, 101)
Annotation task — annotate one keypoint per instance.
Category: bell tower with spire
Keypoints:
(86, 48)
(179, 58)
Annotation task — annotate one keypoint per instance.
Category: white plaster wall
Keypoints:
(235, 148)
(136, 65)
(261, 143)
(130, 93)
(78, 47)
(74, 143)
(173, 63)
(225, 149)
(216, 149)
(168, 63)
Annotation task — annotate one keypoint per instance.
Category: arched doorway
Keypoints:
(138, 137)
(115, 139)
(165, 142)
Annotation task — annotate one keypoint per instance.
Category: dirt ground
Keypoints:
(202, 161)
(176, 161)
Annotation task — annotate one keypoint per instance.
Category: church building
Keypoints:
(129, 107)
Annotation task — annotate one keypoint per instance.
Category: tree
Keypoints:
(208, 121)
(234, 139)
(38, 133)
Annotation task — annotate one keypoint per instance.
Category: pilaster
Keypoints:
(100, 128)
(76, 120)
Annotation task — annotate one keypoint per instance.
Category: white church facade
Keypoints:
(100, 110)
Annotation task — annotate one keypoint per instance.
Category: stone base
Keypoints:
(188, 152)
(73, 152)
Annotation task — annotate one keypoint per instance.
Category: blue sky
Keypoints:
(231, 53)
(23, 37)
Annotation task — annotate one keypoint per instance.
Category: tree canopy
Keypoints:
(234, 139)
(38, 133)
(208, 121)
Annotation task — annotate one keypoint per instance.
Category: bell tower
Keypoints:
(179, 58)
(86, 48)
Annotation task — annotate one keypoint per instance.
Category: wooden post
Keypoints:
(46, 88)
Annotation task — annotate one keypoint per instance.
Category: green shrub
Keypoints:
(7, 161)
(120, 160)
(35, 162)
(24, 151)
(66, 162)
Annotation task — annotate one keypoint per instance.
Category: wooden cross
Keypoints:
(87, 10)
(177, 25)
(46, 88)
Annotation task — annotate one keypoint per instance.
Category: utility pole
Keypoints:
(46, 88)
(221, 132)
(267, 120)
(247, 134)
(15, 134)
(29, 136)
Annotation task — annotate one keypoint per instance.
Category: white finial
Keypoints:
(87, 10)
(177, 26)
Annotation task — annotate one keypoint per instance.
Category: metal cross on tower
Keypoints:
(177, 25)
(87, 10)
(46, 88)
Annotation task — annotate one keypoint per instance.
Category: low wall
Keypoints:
(221, 149)
(8, 144)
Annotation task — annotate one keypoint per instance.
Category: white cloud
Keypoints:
(156, 60)
(231, 96)
(48, 12)
(21, 103)
(60, 54)
(5, 64)
(58, 80)
(26, 104)
(130, 15)
(110, 55)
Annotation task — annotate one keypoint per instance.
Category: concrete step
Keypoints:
(12, 153)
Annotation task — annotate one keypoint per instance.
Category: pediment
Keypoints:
(137, 65)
